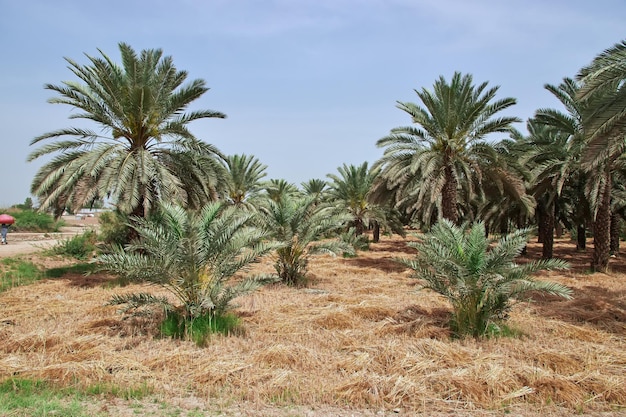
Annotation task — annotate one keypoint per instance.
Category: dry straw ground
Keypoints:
(359, 341)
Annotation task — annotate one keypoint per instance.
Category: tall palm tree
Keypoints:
(142, 151)
(444, 147)
(559, 161)
(244, 174)
(604, 93)
(350, 192)
(507, 203)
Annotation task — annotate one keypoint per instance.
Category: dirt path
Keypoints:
(25, 243)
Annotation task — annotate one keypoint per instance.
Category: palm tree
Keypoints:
(276, 189)
(303, 229)
(551, 158)
(193, 255)
(476, 274)
(315, 188)
(142, 152)
(350, 192)
(604, 93)
(560, 161)
(445, 146)
(244, 174)
(507, 202)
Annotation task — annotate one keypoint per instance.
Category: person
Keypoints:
(4, 230)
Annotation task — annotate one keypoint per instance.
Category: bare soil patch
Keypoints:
(359, 341)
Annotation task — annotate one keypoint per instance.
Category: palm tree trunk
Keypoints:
(448, 196)
(601, 230)
(615, 229)
(558, 226)
(548, 233)
(541, 214)
(581, 237)
(376, 233)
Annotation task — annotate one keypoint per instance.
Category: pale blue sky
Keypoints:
(307, 85)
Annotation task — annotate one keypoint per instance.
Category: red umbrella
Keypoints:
(6, 219)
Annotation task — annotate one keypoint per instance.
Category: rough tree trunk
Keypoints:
(615, 229)
(448, 195)
(548, 233)
(601, 230)
(541, 213)
(581, 237)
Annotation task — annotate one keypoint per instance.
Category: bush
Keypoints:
(34, 221)
(113, 228)
(80, 247)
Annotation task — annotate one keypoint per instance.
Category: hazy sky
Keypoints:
(307, 85)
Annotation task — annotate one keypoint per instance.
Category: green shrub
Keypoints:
(114, 229)
(34, 221)
(80, 247)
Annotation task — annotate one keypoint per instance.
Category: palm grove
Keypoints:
(206, 216)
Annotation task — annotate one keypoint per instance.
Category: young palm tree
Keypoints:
(142, 152)
(350, 192)
(303, 229)
(444, 148)
(243, 178)
(476, 274)
(193, 255)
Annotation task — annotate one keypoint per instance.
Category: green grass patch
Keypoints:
(128, 393)
(28, 398)
(200, 329)
(16, 272)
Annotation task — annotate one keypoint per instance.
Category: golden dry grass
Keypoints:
(359, 338)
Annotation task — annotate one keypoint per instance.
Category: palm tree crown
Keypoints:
(444, 148)
(143, 151)
(244, 178)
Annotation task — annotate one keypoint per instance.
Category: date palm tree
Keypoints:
(506, 203)
(558, 163)
(444, 147)
(350, 192)
(244, 174)
(478, 275)
(316, 188)
(276, 189)
(193, 255)
(303, 228)
(603, 91)
(142, 151)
